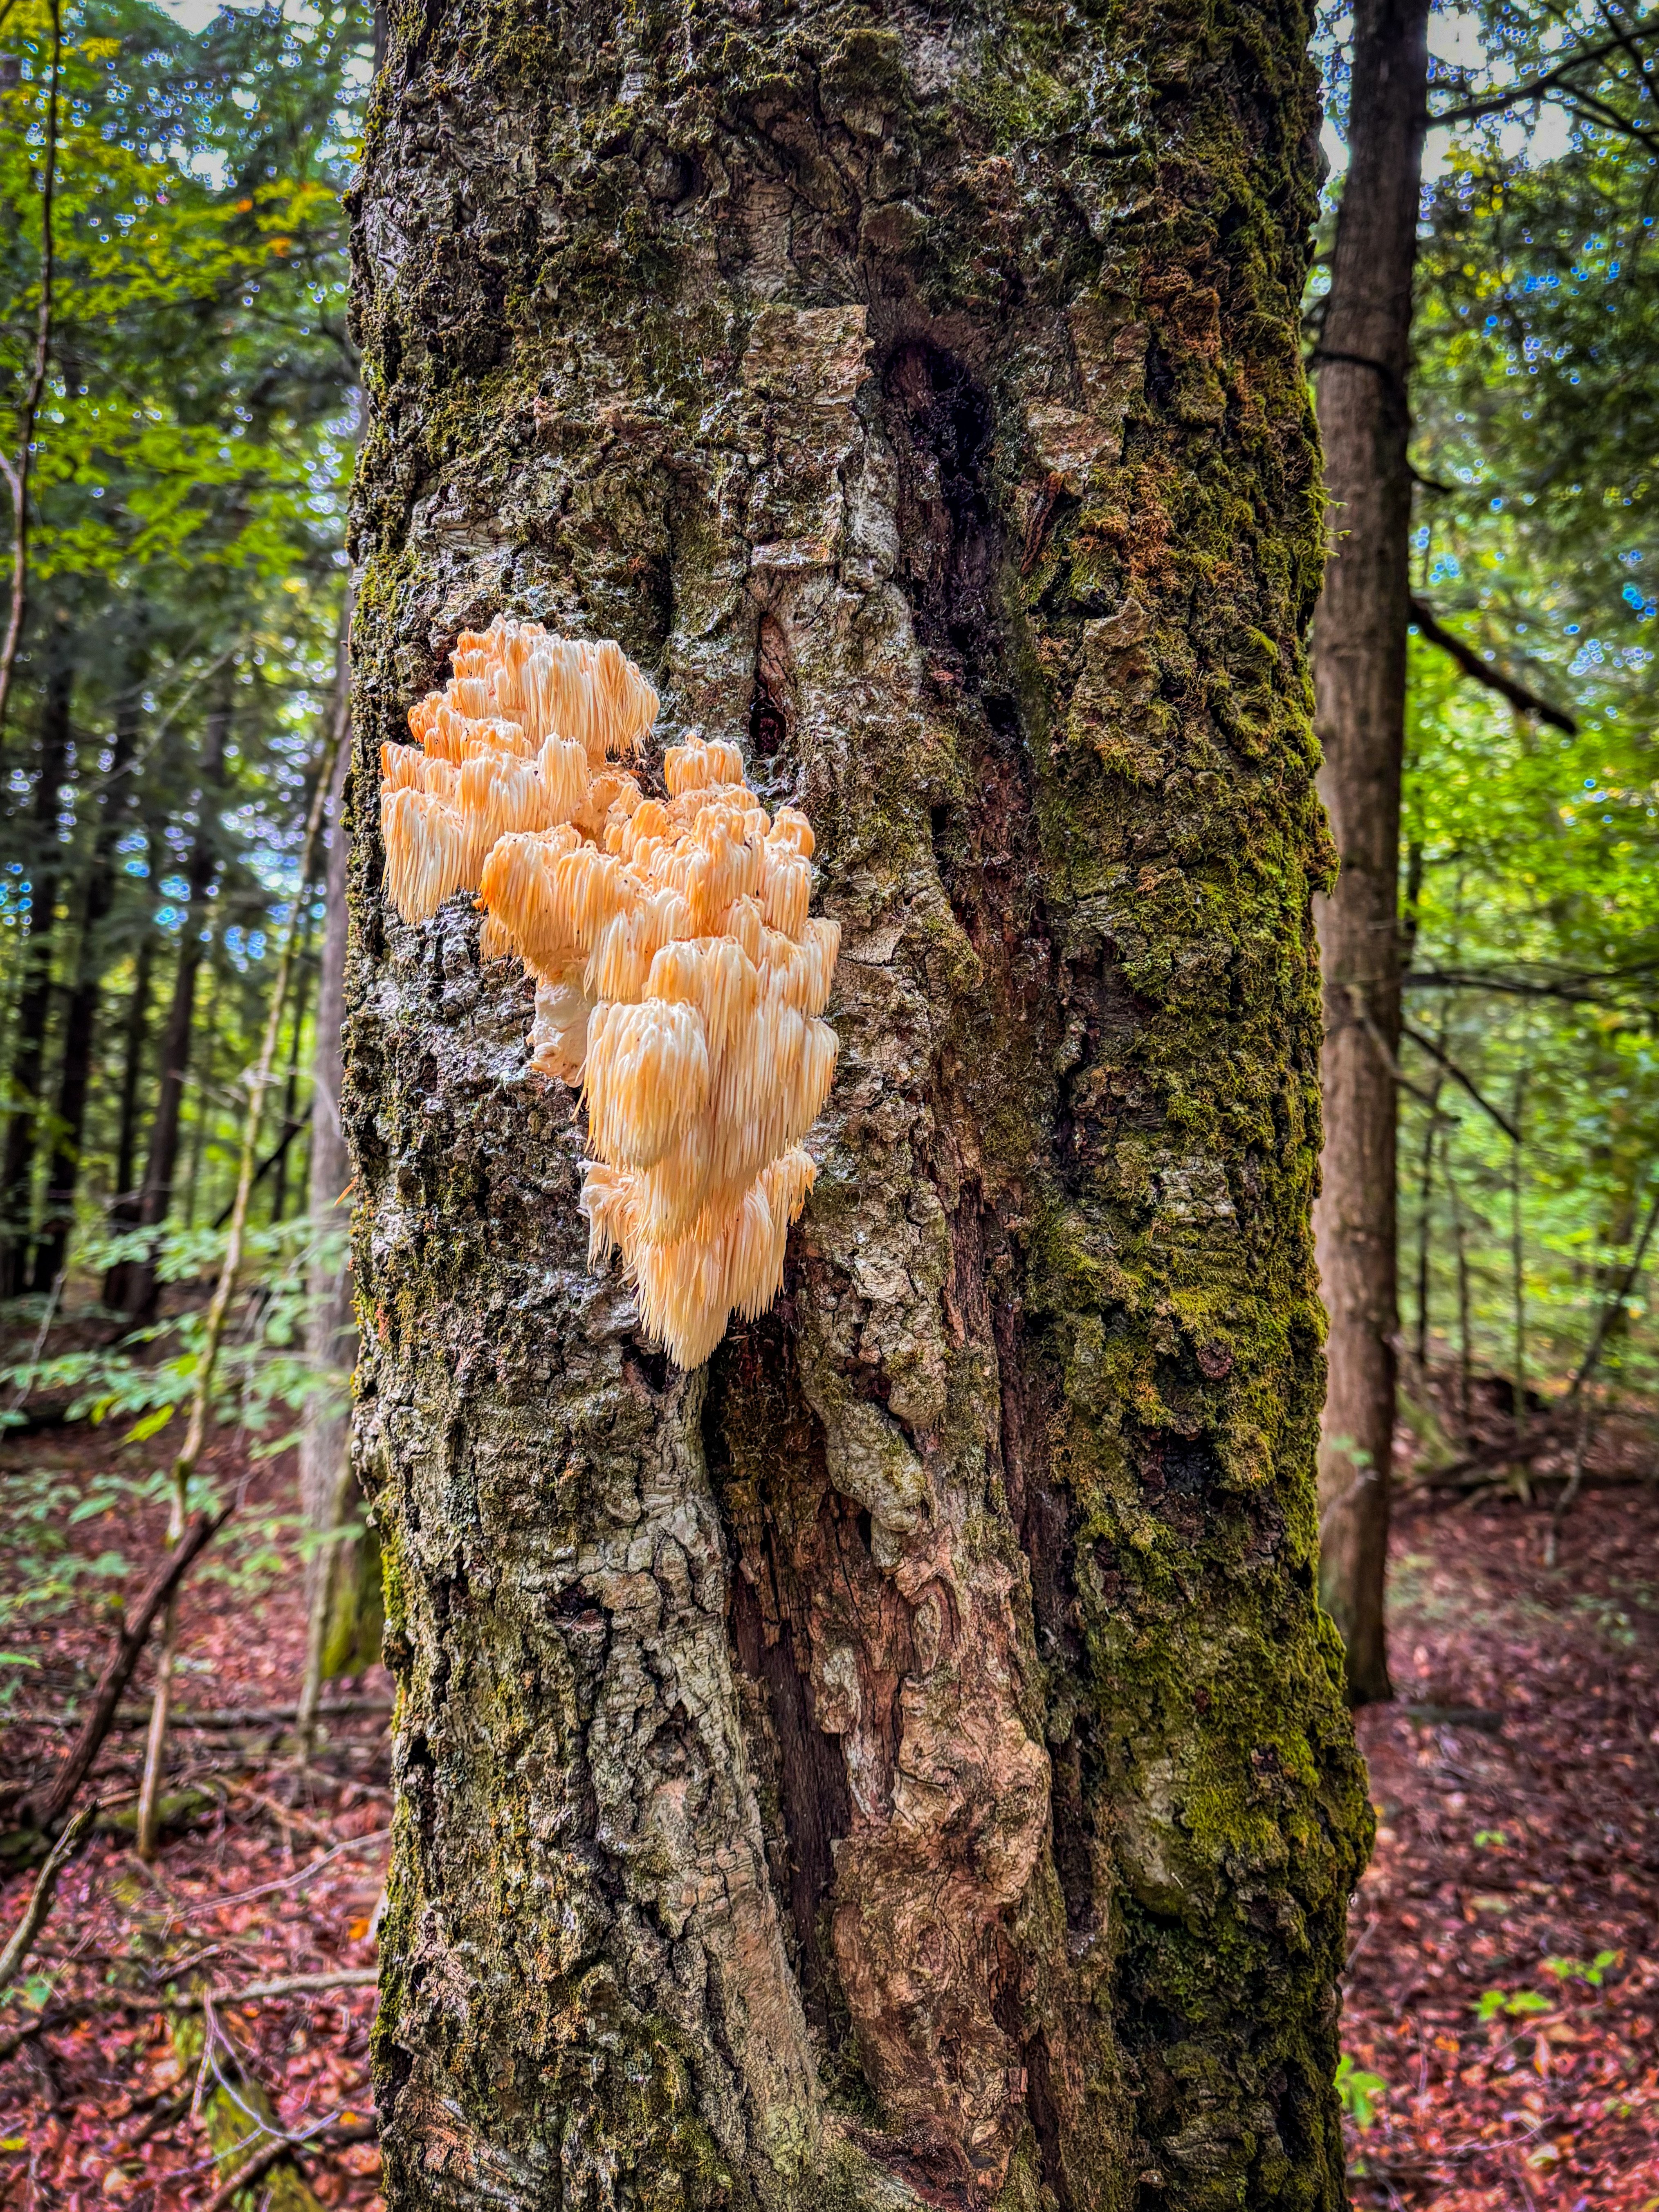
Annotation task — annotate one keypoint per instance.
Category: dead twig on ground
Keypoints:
(39, 1904)
(288, 1985)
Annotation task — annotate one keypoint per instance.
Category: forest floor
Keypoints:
(264, 1874)
(1503, 1974)
(1502, 1991)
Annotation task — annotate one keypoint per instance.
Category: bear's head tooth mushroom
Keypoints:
(679, 979)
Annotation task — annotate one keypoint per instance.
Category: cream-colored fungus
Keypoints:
(679, 979)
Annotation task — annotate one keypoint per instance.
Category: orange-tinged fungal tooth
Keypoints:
(679, 978)
(792, 828)
(785, 889)
(403, 767)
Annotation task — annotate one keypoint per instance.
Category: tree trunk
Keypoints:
(1360, 672)
(287, 1125)
(342, 1579)
(904, 1756)
(81, 1019)
(131, 1287)
(134, 1031)
(25, 1123)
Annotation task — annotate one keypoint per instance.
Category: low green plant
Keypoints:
(1358, 2092)
(1593, 1971)
(1515, 2004)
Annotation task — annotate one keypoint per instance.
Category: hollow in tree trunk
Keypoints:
(903, 1761)
(1359, 670)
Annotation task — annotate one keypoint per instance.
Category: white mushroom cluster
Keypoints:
(679, 979)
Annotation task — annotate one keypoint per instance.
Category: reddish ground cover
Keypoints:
(1504, 1985)
(265, 1876)
(1504, 1976)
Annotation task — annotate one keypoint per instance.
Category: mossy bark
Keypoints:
(903, 1761)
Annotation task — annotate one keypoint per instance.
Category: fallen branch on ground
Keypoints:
(222, 1718)
(339, 2132)
(79, 2009)
(39, 1904)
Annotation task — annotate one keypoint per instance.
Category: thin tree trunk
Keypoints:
(1426, 1232)
(903, 1761)
(81, 1019)
(343, 1613)
(1519, 1263)
(213, 1322)
(205, 1019)
(290, 1084)
(1359, 675)
(131, 1287)
(135, 1032)
(25, 1124)
(1465, 1349)
(17, 473)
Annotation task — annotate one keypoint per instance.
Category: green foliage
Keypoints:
(1593, 1972)
(1358, 2092)
(1531, 892)
(1513, 2004)
(193, 448)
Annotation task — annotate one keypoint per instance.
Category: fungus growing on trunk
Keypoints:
(678, 978)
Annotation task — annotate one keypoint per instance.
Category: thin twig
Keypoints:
(221, 1718)
(1517, 95)
(1614, 1305)
(20, 1396)
(1587, 1366)
(22, 1936)
(78, 2008)
(1464, 1082)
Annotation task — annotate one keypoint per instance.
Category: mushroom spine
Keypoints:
(679, 979)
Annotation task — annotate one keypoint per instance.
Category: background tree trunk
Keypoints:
(130, 1287)
(1359, 670)
(26, 1123)
(905, 1756)
(342, 1579)
(91, 959)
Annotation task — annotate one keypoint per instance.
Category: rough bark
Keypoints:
(80, 1016)
(131, 1287)
(1359, 670)
(25, 1120)
(904, 1761)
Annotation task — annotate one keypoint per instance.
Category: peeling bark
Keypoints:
(903, 1761)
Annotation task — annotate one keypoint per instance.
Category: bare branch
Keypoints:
(117, 1674)
(1464, 1082)
(1524, 701)
(1516, 96)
